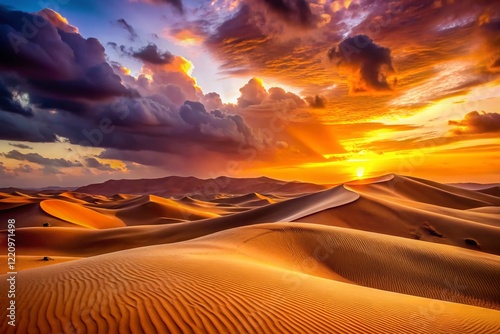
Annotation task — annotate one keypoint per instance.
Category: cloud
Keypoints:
(131, 31)
(278, 94)
(212, 101)
(218, 126)
(136, 124)
(133, 123)
(252, 93)
(317, 101)
(50, 165)
(94, 163)
(366, 62)
(246, 43)
(57, 20)
(151, 54)
(23, 169)
(491, 31)
(10, 104)
(164, 77)
(189, 32)
(175, 3)
(173, 92)
(4, 172)
(69, 84)
(476, 123)
(496, 64)
(296, 12)
(169, 116)
(19, 128)
(52, 63)
(251, 41)
(21, 146)
(40, 160)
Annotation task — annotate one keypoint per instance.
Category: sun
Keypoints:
(360, 172)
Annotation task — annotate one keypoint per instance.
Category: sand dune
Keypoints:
(70, 242)
(429, 192)
(494, 210)
(377, 215)
(153, 208)
(422, 268)
(30, 214)
(79, 215)
(170, 288)
(81, 198)
(493, 191)
(388, 255)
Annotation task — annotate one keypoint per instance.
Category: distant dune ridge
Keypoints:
(181, 186)
(393, 254)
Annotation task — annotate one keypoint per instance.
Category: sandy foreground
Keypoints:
(388, 255)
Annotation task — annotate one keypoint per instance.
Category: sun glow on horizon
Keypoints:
(360, 171)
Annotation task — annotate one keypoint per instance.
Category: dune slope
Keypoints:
(170, 288)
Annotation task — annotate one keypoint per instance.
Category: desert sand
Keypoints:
(393, 254)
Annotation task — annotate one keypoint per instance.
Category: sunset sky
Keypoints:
(311, 90)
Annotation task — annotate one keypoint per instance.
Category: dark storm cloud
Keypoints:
(72, 105)
(75, 96)
(476, 123)
(217, 125)
(39, 58)
(131, 31)
(19, 128)
(21, 146)
(291, 11)
(317, 101)
(135, 124)
(151, 54)
(365, 62)
(63, 103)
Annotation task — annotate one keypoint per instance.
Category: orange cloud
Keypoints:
(57, 20)
(185, 36)
(254, 93)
